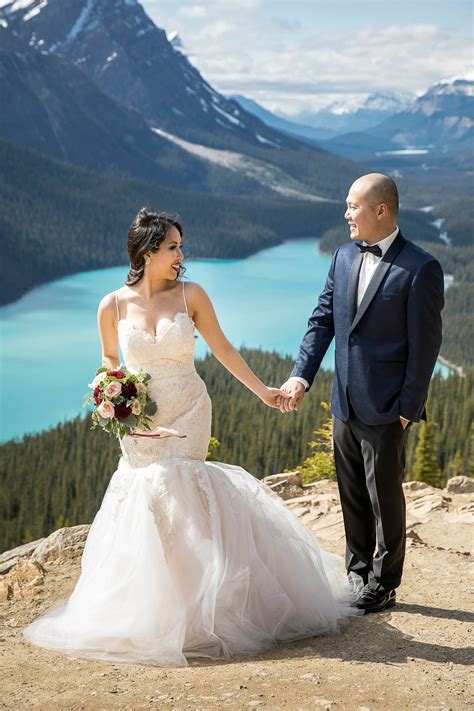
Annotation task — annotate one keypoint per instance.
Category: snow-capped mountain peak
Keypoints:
(175, 40)
(386, 102)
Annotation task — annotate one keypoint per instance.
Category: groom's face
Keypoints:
(361, 215)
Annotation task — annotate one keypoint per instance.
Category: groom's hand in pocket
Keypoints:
(296, 390)
(404, 422)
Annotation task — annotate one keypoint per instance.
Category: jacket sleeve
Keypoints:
(319, 334)
(424, 306)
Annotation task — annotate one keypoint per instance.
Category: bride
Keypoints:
(185, 558)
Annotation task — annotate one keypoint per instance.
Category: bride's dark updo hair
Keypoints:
(146, 233)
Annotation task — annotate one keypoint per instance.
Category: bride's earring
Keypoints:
(147, 260)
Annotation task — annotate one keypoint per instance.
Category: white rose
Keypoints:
(106, 409)
(136, 407)
(141, 388)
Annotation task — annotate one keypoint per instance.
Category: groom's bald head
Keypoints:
(378, 188)
(372, 206)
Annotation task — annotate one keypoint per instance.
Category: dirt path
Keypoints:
(415, 656)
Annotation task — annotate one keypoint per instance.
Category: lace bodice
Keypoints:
(169, 352)
(180, 394)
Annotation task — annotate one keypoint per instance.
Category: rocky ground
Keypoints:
(414, 656)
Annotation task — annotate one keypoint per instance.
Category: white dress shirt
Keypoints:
(370, 263)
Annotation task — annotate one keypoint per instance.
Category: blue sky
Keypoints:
(297, 56)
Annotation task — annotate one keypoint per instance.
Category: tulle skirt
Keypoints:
(187, 558)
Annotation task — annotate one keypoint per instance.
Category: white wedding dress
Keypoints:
(188, 558)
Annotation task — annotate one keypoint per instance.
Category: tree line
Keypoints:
(58, 477)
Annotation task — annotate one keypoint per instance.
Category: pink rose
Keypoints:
(112, 389)
(106, 409)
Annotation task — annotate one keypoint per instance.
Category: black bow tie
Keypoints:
(374, 248)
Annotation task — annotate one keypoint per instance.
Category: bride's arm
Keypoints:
(106, 323)
(208, 326)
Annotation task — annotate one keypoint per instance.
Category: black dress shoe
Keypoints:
(376, 599)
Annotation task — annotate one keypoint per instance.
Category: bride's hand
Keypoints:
(272, 397)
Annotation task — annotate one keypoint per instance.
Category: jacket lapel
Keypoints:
(377, 278)
(352, 286)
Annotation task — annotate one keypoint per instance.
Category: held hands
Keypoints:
(292, 395)
(273, 396)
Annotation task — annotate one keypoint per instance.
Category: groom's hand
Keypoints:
(296, 390)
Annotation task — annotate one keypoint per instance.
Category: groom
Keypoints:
(382, 302)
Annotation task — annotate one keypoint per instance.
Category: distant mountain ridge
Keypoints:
(444, 114)
(439, 122)
(282, 124)
(357, 115)
(118, 47)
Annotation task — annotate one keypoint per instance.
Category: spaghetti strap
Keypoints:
(184, 299)
(117, 307)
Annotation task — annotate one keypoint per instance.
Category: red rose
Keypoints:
(97, 399)
(122, 411)
(129, 390)
(116, 373)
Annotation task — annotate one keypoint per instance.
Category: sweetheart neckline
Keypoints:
(163, 318)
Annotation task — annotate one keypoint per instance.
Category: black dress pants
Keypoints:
(370, 468)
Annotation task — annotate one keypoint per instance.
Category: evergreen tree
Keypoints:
(320, 465)
(456, 466)
(425, 467)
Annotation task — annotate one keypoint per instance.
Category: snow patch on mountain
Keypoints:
(226, 115)
(16, 5)
(262, 139)
(265, 173)
(35, 11)
(80, 23)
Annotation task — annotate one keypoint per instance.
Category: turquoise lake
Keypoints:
(50, 346)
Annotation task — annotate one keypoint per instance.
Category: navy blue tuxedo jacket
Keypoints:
(387, 348)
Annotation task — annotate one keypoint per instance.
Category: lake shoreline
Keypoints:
(52, 330)
(6, 301)
(458, 369)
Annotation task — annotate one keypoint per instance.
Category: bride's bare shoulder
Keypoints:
(107, 303)
(193, 289)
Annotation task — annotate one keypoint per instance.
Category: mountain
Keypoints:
(356, 115)
(292, 128)
(437, 127)
(443, 117)
(57, 219)
(49, 105)
(118, 47)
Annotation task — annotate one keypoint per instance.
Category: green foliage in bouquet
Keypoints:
(123, 408)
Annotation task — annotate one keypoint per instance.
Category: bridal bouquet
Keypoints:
(122, 402)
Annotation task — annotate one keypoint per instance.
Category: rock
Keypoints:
(23, 581)
(20, 551)
(6, 592)
(421, 507)
(460, 485)
(63, 544)
(8, 565)
(413, 539)
(293, 477)
(415, 489)
(287, 486)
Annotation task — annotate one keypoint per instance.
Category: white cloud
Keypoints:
(306, 74)
(193, 11)
(213, 30)
(242, 47)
